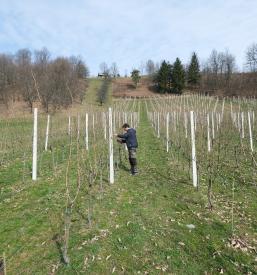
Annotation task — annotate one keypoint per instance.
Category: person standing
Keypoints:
(130, 138)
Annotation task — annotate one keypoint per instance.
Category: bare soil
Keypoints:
(124, 87)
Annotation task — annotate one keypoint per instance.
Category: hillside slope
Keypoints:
(124, 87)
(154, 223)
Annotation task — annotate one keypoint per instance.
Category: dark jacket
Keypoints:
(130, 138)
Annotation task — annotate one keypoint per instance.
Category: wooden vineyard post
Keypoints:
(242, 125)
(208, 133)
(222, 110)
(253, 119)
(167, 132)
(194, 168)
(78, 125)
(5, 272)
(47, 132)
(185, 120)
(158, 125)
(213, 126)
(114, 121)
(250, 131)
(34, 157)
(104, 125)
(86, 138)
(111, 147)
(3, 265)
(69, 126)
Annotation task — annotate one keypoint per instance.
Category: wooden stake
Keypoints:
(111, 147)
(47, 131)
(250, 131)
(34, 158)
(86, 138)
(167, 131)
(194, 168)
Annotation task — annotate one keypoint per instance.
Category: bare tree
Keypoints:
(150, 67)
(251, 57)
(7, 79)
(218, 71)
(42, 76)
(79, 67)
(157, 67)
(142, 68)
(114, 70)
(213, 62)
(104, 69)
(24, 76)
(230, 66)
(80, 74)
(53, 83)
(61, 83)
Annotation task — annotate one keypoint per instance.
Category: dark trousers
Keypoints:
(132, 160)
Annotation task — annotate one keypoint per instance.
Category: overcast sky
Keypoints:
(129, 32)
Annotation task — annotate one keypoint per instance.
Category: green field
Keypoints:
(152, 223)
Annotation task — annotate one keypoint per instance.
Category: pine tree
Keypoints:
(163, 78)
(178, 76)
(193, 74)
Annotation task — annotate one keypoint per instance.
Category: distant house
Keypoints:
(102, 75)
(105, 75)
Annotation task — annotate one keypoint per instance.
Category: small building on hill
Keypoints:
(102, 75)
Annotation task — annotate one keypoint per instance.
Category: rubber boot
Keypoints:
(133, 166)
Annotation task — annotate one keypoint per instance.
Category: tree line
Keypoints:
(218, 74)
(37, 78)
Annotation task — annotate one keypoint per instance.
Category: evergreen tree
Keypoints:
(135, 77)
(178, 76)
(103, 91)
(163, 77)
(193, 74)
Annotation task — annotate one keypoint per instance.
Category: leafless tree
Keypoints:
(61, 83)
(114, 70)
(142, 68)
(79, 67)
(80, 74)
(251, 57)
(64, 83)
(150, 67)
(230, 66)
(24, 76)
(52, 83)
(214, 62)
(157, 66)
(104, 69)
(7, 79)
(41, 75)
(218, 71)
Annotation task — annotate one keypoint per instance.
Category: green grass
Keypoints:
(91, 93)
(139, 225)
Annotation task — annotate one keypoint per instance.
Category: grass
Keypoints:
(91, 94)
(139, 224)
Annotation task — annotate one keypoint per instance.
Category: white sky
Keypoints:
(129, 32)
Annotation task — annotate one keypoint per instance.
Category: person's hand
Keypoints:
(119, 140)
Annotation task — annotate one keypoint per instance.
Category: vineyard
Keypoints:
(68, 204)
